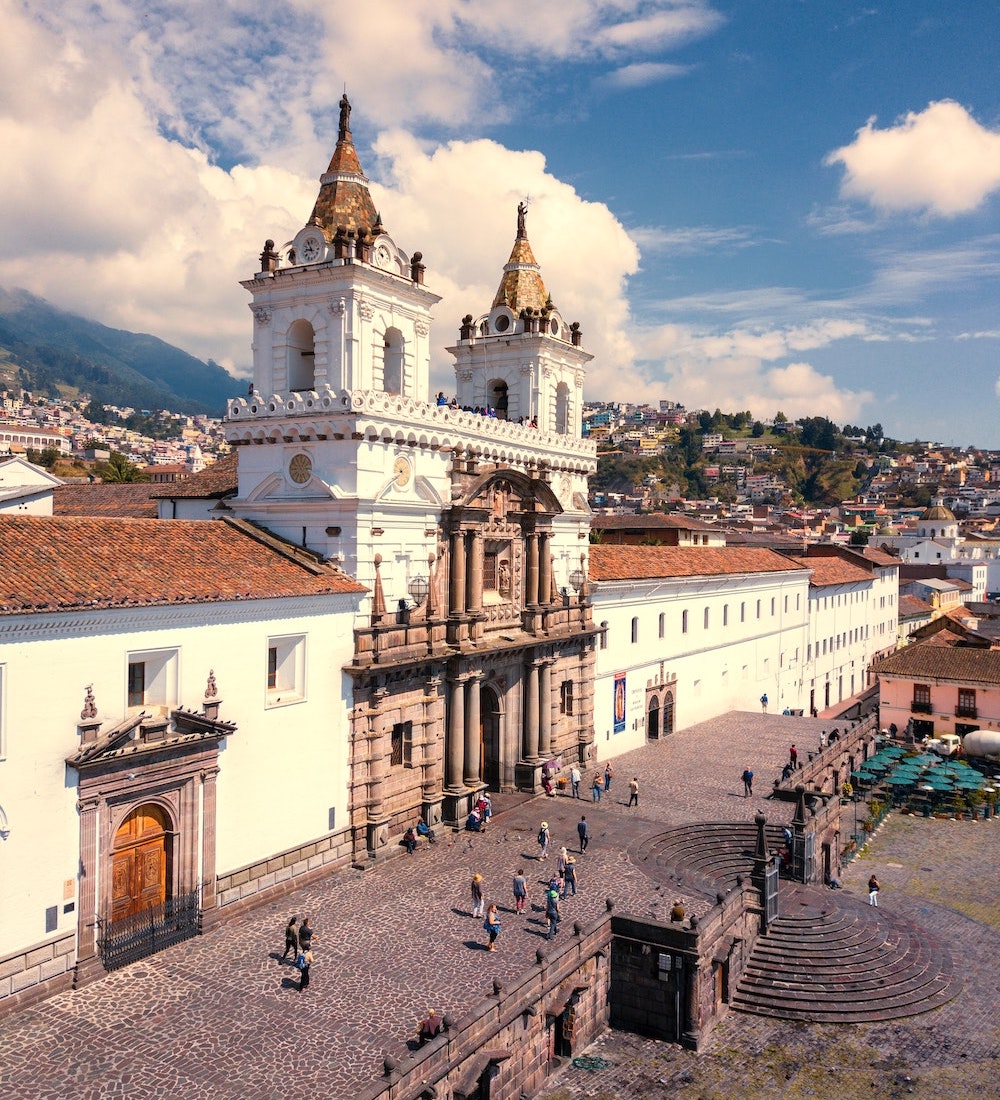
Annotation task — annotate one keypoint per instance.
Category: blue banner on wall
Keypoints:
(619, 726)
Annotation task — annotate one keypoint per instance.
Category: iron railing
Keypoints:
(140, 934)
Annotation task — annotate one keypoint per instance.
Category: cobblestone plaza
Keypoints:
(221, 1016)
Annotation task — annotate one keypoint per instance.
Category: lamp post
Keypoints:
(418, 589)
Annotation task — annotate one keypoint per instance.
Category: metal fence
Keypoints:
(141, 934)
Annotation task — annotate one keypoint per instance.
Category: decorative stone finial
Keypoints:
(89, 705)
(211, 688)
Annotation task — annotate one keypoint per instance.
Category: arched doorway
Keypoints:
(653, 718)
(490, 715)
(668, 713)
(141, 862)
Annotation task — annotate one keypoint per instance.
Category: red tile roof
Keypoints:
(218, 480)
(830, 571)
(912, 607)
(132, 499)
(616, 563)
(61, 563)
(936, 662)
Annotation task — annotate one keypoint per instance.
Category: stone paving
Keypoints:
(220, 1016)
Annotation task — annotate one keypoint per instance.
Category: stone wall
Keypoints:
(519, 1035)
(674, 981)
(37, 972)
(279, 873)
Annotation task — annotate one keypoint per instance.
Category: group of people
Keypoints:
(298, 941)
(480, 814)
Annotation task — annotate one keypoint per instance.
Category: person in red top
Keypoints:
(793, 756)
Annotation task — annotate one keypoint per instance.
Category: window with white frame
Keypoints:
(152, 680)
(286, 670)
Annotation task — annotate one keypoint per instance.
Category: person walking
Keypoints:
(597, 787)
(633, 791)
(569, 878)
(747, 783)
(608, 774)
(544, 836)
(574, 779)
(305, 935)
(561, 861)
(793, 757)
(291, 939)
(304, 963)
(552, 911)
(763, 703)
(492, 926)
(873, 889)
(583, 831)
(476, 889)
(520, 891)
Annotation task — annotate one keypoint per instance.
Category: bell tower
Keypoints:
(522, 359)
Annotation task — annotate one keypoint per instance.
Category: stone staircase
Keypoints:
(703, 858)
(829, 957)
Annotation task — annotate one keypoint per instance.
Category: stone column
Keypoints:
(377, 829)
(474, 592)
(456, 604)
(531, 580)
(208, 873)
(545, 568)
(473, 733)
(545, 710)
(455, 742)
(89, 879)
(531, 713)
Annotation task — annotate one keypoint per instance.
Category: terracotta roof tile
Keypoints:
(59, 563)
(650, 521)
(936, 662)
(218, 480)
(617, 563)
(830, 571)
(911, 607)
(133, 499)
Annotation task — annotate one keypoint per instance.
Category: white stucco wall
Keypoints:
(280, 773)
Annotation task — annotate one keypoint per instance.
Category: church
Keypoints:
(389, 617)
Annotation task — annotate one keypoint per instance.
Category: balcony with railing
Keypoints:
(966, 710)
(921, 706)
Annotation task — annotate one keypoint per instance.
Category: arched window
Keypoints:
(725, 614)
(301, 356)
(392, 364)
(635, 630)
(562, 409)
(663, 624)
(684, 622)
(705, 619)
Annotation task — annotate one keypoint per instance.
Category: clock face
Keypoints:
(310, 249)
(401, 468)
(300, 469)
(383, 256)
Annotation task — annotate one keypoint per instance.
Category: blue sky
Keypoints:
(779, 204)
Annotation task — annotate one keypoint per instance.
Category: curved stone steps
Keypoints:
(707, 858)
(844, 963)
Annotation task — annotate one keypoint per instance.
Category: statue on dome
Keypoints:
(345, 114)
(522, 210)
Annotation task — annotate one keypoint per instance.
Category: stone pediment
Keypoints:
(143, 733)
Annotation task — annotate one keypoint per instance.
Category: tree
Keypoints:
(119, 469)
(757, 430)
(48, 458)
(780, 418)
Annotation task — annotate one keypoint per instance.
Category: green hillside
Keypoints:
(53, 353)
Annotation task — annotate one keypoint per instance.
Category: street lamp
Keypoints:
(418, 589)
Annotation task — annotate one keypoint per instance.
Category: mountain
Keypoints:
(54, 353)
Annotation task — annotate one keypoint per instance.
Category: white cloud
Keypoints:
(940, 160)
(689, 240)
(642, 73)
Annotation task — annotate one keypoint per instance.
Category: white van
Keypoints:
(948, 744)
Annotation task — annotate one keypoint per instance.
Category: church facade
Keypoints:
(466, 520)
